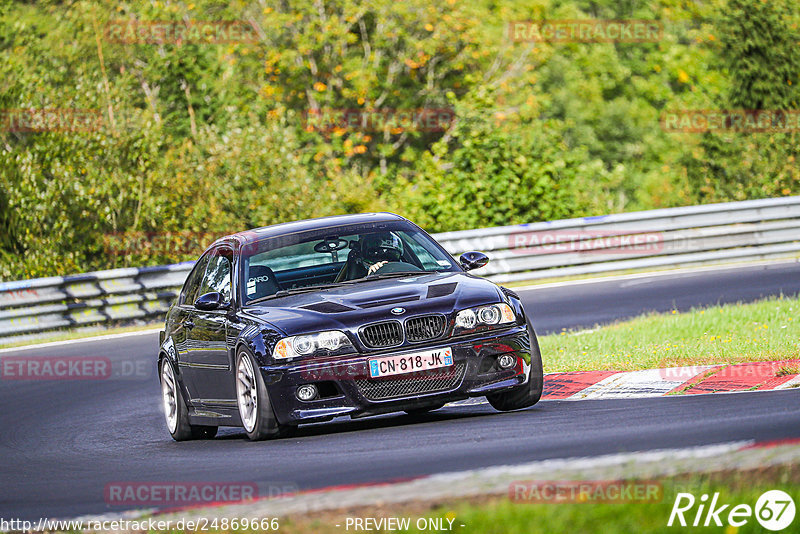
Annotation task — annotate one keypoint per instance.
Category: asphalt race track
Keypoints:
(584, 305)
(62, 442)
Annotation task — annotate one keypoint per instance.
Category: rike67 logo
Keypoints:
(774, 510)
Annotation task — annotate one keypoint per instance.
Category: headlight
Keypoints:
(328, 342)
(492, 315)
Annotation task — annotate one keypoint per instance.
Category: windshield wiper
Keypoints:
(294, 291)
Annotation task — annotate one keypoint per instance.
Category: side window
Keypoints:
(218, 275)
(190, 287)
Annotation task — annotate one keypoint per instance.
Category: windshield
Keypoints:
(338, 256)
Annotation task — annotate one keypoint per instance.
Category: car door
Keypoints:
(208, 364)
(182, 319)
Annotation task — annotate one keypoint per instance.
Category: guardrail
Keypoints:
(714, 233)
(44, 304)
(695, 235)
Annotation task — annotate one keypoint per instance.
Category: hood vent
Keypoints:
(441, 290)
(328, 307)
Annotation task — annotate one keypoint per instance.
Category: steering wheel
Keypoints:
(397, 267)
(331, 245)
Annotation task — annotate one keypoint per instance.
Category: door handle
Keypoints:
(188, 324)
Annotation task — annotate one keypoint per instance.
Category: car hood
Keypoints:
(350, 306)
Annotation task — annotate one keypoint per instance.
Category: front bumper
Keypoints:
(347, 385)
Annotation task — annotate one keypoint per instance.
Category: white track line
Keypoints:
(81, 340)
(653, 274)
(793, 383)
(645, 383)
(497, 480)
(589, 462)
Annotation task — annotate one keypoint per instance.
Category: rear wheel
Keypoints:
(255, 410)
(175, 411)
(527, 394)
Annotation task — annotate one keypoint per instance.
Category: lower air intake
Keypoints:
(419, 383)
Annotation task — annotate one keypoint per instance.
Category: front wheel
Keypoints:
(527, 394)
(255, 410)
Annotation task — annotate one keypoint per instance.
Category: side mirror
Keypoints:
(211, 301)
(473, 260)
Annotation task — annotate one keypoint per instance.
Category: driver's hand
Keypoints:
(375, 266)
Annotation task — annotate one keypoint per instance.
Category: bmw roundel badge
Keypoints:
(398, 311)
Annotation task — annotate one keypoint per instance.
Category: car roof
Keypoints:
(275, 230)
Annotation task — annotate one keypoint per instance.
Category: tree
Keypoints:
(759, 50)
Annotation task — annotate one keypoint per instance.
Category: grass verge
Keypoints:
(498, 514)
(735, 333)
(503, 516)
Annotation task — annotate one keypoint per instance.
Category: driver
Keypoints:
(379, 249)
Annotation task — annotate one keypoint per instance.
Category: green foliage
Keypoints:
(758, 48)
(740, 166)
(500, 514)
(493, 170)
(198, 139)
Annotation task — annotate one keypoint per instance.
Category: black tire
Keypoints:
(265, 425)
(527, 394)
(183, 430)
(424, 409)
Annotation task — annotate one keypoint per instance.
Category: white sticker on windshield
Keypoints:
(251, 286)
(443, 263)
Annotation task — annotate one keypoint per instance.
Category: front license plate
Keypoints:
(411, 363)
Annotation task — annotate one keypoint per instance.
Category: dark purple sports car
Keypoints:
(352, 315)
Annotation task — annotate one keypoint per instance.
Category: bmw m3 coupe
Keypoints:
(352, 315)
